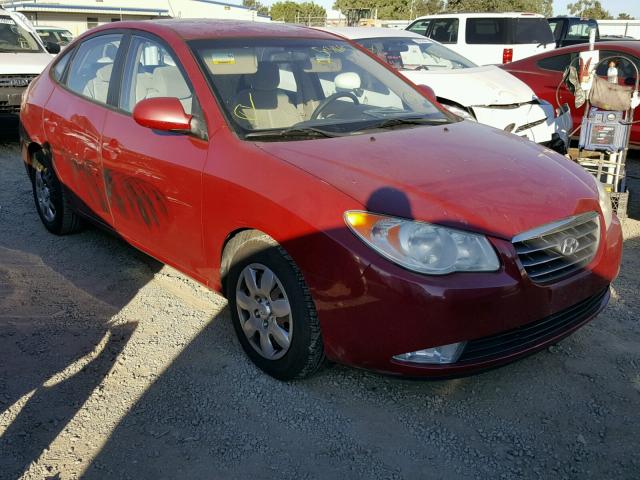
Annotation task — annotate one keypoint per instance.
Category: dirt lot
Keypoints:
(115, 366)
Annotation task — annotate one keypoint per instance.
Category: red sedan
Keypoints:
(342, 213)
(543, 73)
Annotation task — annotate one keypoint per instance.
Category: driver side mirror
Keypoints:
(162, 113)
(428, 92)
(52, 47)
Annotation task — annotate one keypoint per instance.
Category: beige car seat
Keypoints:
(165, 81)
(263, 105)
(98, 87)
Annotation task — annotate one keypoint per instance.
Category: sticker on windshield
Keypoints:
(421, 40)
(7, 21)
(222, 58)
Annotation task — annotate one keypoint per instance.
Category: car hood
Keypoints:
(479, 86)
(465, 175)
(23, 63)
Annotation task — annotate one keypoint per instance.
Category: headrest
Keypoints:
(266, 78)
(104, 73)
(169, 82)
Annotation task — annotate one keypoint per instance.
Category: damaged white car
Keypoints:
(485, 94)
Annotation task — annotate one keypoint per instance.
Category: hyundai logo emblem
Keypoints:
(568, 246)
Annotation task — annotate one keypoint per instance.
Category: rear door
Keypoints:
(74, 118)
(154, 179)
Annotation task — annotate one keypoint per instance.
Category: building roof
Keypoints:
(80, 8)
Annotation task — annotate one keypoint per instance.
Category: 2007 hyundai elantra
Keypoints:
(342, 212)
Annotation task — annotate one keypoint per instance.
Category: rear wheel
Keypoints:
(52, 202)
(273, 314)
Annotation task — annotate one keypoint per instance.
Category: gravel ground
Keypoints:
(113, 365)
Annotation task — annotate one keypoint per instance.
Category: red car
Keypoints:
(342, 213)
(543, 73)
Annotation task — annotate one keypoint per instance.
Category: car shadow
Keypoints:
(59, 329)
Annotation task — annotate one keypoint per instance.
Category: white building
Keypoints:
(622, 28)
(78, 16)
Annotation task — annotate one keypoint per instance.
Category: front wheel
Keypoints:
(273, 314)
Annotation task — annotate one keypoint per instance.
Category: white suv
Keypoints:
(488, 38)
(22, 57)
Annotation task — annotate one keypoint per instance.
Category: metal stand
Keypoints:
(609, 166)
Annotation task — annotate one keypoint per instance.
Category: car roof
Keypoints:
(355, 33)
(626, 46)
(483, 15)
(206, 28)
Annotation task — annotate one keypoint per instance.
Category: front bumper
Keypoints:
(393, 311)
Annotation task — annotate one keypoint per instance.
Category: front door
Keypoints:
(154, 179)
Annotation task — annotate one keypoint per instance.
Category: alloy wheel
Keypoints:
(264, 311)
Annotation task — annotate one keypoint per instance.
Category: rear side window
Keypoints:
(532, 30)
(626, 71)
(419, 27)
(487, 31)
(90, 72)
(557, 63)
(444, 30)
(58, 69)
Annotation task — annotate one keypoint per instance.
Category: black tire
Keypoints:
(306, 351)
(65, 220)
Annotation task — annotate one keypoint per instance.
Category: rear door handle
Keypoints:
(112, 149)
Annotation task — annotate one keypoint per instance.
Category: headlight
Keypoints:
(605, 203)
(461, 112)
(423, 247)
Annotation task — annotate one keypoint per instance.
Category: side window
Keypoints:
(487, 31)
(419, 27)
(444, 30)
(626, 70)
(152, 72)
(90, 71)
(557, 63)
(58, 69)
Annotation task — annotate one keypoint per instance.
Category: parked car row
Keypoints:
(344, 212)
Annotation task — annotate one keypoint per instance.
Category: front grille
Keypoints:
(560, 249)
(16, 80)
(512, 341)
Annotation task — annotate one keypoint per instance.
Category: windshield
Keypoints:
(14, 38)
(61, 37)
(298, 88)
(415, 54)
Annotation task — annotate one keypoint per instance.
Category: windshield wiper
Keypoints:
(394, 122)
(292, 132)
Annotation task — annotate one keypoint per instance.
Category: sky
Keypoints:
(632, 7)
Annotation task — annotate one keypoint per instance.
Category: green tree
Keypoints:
(257, 6)
(392, 9)
(589, 9)
(544, 7)
(293, 12)
(625, 16)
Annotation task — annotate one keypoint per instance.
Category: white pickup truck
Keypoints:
(22, 57)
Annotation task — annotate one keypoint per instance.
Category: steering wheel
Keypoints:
(330, 99)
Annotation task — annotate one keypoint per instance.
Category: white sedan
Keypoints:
(486, 94)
